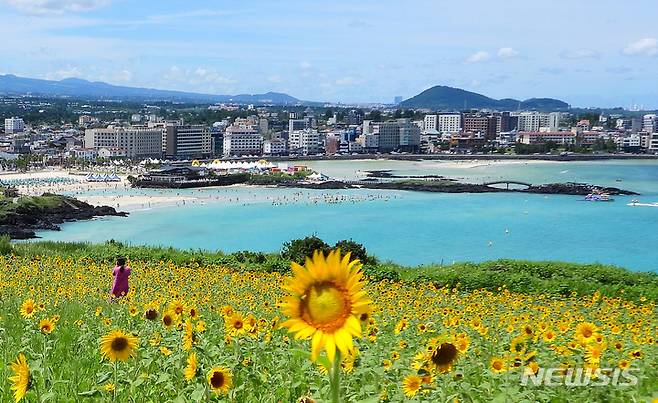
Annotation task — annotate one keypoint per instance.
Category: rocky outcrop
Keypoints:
(24, 220)
(577, 189)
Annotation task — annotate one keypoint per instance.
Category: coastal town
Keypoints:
(94, 134)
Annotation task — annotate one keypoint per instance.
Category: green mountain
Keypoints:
(449, 98)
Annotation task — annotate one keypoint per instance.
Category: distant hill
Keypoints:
(78, 88)
(448, 98)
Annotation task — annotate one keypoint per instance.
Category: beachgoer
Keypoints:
(121, 272)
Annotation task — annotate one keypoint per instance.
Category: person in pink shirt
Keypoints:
(121, 272)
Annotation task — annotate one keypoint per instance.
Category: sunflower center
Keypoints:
(217, 380)
(497, 365)
(326, 305)
(445, 354)
(119, 344)
(167, 320)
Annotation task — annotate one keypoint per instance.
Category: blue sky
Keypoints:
(586, 52)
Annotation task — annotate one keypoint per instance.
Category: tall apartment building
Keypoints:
(403, 135)
(132, 142)
(187, 141)
(239, 141)
(649, 123)
(305, 142)
(533, 121)
(14, 125)
(449, 123)
(430, 124)
(485, 125)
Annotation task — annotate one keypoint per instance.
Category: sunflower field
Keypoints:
(190, 333)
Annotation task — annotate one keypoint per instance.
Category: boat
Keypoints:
(598, 197)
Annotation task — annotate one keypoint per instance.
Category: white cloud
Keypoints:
(348, 80)
(305, 65)
(580, 54)
(507, 53)
(69, 72)
(480, 56)
(275, 78)
(43, 7)
(642, 47)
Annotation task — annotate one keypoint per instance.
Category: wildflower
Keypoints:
(191, 368)
(46, 326)
(326, 302)
(21, 379)
(28, 308)
(411, 385)
(118, 345)
(220, 380)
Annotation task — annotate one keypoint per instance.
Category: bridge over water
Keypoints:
(508, 183)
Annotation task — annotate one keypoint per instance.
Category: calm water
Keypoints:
(415, 228)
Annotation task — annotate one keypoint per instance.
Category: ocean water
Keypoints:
(414, 228)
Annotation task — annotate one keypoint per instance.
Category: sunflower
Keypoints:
(118, 345)
(497, 365)
(586, 332)
(165, 351)
(220, 380)
(326, 302)
(443, 357)
(46, 326)
(624, 364)
(532, 368)
(21, 378)
(635, 354)
(549, 336)
(133, 311)
(28, 308)
(518, 345)
(151, 314)
(168, 319)
(462, 342)
(235, 324)
(411, 385)
(191, 368)
(188, 335)
(387, 364)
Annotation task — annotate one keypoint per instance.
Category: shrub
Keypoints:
(356, 250)
(298, 249)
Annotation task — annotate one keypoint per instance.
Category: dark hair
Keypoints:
(122, 263)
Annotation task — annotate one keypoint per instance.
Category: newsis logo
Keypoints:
(575, 377)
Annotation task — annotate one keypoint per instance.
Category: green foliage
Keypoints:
(298, 250)
(356, 250)
(5, 245)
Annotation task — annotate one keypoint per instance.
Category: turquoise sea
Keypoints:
(414, 228)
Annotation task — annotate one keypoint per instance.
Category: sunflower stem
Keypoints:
(335, 379)
(114, 392)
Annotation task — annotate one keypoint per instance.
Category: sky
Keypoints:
(589, 53)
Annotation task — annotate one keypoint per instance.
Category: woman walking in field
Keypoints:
(121, 272)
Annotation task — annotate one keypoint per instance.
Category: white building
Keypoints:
(275, 147)
(532, 121)
(239, 141)
(14, 125)
(132, 142)
(649, 123)
(369, 142)
(305, 142)
(430, 124)
(448, 123)
(554, 120)
(653, 143)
